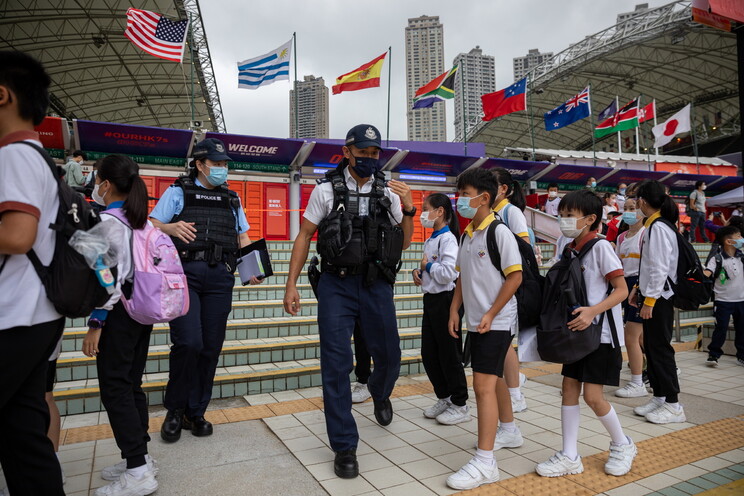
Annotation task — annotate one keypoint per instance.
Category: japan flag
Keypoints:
(676, 124)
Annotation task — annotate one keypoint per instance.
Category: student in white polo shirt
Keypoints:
(29, 324)
(551, 204)
(490, 310)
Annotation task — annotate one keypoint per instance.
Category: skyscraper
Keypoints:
(424, 62)
(480, 78)
(312, 107)
(639, 9)
(523, 65)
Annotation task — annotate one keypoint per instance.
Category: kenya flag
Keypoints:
(626, 118)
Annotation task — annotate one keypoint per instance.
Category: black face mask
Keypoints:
(366, 166)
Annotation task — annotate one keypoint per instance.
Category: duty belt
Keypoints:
(344, 271)
(209, 256)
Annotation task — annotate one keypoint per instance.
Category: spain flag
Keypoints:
(366, 76)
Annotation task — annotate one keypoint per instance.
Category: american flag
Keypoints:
(157, 35)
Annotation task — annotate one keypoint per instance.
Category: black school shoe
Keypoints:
(711, 361)
(199, 426)
(345, 464)
(170, 431)
(383, 411)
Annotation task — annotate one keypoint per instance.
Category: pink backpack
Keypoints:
(159, 289)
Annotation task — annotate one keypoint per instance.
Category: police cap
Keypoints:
(363, 136)
(212, 149)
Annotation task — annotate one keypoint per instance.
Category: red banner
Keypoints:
(54, 133)
(710, 170)
(733, 9)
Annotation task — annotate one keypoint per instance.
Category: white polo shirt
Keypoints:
(513, 218)
(441, 252)
(321, 200)
(551, 206)
(599, 266)
(659, 258)
(26, 185)
(733, 289)
(481, 281)
(629, 252)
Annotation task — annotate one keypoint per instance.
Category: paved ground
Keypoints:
(276, 445)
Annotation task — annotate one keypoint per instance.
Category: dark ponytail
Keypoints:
(514, 192)
(123, 173)
(436, 200)
(654, 193)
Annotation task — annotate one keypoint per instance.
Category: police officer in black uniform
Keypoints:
(363, 225)
(207, 223)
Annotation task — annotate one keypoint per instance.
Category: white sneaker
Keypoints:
(454, 415)
(559, 465)
(127, 485)
(519, 404)
(437, 408)
(652, 405)
(621, 458)
(508, 439)
(114, 472)
(632, 390)
(666, 414)
(473, 474)
(359, 393)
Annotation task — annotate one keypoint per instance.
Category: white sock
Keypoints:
(137, 472)
(675, 406)
(509, 426)
(570, 418)
(485, 457)
(612, 424)
(659, 400)
(637, 379)
(515, 392)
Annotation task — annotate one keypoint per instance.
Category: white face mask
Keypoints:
(553, 194)
(96, 196)
(426, 221)
(568, 226)
(704, 186)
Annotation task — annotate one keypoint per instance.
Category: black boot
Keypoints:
(171, 429)
(345, 465)
(383, 411)
(199, 426)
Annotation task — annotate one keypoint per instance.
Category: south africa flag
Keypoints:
(439, 89)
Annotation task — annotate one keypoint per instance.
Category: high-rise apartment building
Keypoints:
(523, 65)
(639, 9)
(312, 109)
(480, 78)
(424, 62)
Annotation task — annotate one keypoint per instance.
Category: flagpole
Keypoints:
(532, 126)
(464, 117)
(656, 147)
(694, 138)
(390, 79)
(638, 141)
(297, 96)
(619, 143)
(191, 51)
(591, 123)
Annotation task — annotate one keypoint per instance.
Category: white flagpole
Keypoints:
(657, 148)
(619, 144)
(638, 143)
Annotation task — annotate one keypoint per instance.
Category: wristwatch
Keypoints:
(409, 213)
(95, 324)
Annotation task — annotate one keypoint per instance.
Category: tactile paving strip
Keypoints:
(531, 484)
(248, 413)
(594, 478)
(288, 407)
(85, 434)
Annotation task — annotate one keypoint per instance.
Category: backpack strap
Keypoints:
(505, 217)
(613, 326)
(493, 250)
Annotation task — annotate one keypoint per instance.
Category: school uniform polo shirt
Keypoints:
(481, 281)
(629, 252)
(599, 266)
(515, 219)
(551, 206)
(441, 252)
(659, 258)
(732, 290)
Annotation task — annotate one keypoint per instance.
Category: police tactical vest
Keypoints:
(348, 240)
(213, 213)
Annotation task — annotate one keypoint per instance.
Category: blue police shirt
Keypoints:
(171, 204)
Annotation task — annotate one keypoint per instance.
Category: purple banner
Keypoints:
(105, 137)
(443, 147)
(434, 163)
(574, 174)
(680, 182)
(628, 176)
(259, 149)
(326, 154)
(521, 170)
(727, 184)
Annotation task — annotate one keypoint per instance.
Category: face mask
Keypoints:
(366, 166)
(594, 184)
(96, 196)
(217, 175)
(704, 186)
(553, 194)
(621, 191)
(738, 243)
(426, 221)
(630, 218)
(568, 226)
(464, 208)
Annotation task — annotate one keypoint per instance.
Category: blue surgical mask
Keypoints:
(464, 208)
(594, 184)
(217, 175)
(366, 166)
(630, 218)
(621, 191)
(738, 243)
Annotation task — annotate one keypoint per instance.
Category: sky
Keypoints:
(337, 36)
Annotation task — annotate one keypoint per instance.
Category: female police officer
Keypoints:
(362, 230)
(207, 224)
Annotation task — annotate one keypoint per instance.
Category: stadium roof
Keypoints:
(98, 74)
(659, 54)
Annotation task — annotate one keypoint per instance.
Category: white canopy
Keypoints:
(733, 197)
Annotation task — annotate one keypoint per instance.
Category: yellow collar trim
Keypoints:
(483, 225)
(648, 222)
(501, 205)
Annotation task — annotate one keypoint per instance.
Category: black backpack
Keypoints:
(529, 293)
(565, 289)
(692, 288)
(71, 285)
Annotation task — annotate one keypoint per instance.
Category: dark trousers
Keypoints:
(26, 453)
(341, 303)
(697, 219)
(657, 337)
(723, 311)
(121, 362)
(197, 338)
(363, 368)
(441, 353)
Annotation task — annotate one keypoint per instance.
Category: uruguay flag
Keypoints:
(575, 109)
(265, 69)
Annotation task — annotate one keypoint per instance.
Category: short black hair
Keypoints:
(725, 232)
(698, 184)
(28, 81)
(553, 185)
(79, 153)
(481, 179)
(585, 201)
(737, 221)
